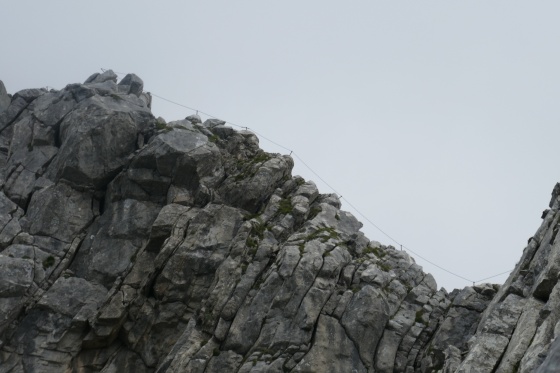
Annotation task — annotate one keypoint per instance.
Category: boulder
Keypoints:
(131, 84)
(96, 139)
(16, 276)
(321, 358)
(113, 241)
(364, 321)
(69, 295)
(256, 181)
(194, 119)
(185, 158)
(5, 99)
(211, 123)
(58, 211)
(9, 115)
(107, 75)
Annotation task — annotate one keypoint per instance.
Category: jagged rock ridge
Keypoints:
(128, 244)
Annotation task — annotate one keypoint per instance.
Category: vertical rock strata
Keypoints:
(128, 244)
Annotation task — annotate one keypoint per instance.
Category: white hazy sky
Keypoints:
(439, 120)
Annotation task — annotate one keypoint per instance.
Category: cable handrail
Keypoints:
(340, 196)
(403, 247)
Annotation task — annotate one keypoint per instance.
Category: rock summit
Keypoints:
(132, 244)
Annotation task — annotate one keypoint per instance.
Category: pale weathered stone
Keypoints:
(4, 98)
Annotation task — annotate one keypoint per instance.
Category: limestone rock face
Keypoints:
(129, 244)
(4, 98)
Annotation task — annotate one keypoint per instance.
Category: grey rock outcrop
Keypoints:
(129, 244)
(194, 118)
(4, 97)
(131, 84)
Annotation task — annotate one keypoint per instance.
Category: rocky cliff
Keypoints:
(128, 244)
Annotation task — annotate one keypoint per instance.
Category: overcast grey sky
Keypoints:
(439, 120)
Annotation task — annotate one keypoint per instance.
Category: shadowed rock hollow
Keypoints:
(128, 244)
